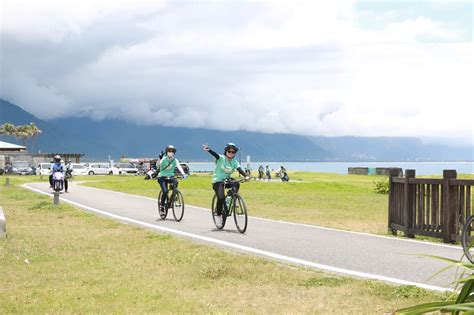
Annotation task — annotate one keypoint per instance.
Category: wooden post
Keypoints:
(449, 205)
(7, 181)
(391, 200)
(408, 206)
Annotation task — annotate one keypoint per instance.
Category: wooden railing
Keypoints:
(429, 207)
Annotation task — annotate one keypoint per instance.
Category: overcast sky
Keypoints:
(332, 68)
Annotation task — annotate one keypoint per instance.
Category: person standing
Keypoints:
(268, 173)
(261, 171)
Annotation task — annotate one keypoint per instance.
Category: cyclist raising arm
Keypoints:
(225, 165)
(166, 168)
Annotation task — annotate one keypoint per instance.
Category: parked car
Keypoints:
(99, 169)
(22, 168)
(43, 169)
(185, 168)
(124, 168)
(79, 169)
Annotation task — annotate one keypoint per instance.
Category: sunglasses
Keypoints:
(231, 152)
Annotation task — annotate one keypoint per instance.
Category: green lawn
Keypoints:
(59, 259)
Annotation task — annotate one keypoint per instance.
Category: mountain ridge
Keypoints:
(99, 139)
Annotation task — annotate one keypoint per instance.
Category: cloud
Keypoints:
(303, 68)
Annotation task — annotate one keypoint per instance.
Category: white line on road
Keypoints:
(250, 249)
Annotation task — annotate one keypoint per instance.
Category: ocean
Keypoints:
(422, 168)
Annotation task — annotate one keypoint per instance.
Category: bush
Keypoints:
(382, 186)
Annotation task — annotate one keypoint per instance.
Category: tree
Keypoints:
(8, 129)
(34, 132)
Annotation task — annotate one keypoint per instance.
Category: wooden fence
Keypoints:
(430, 207)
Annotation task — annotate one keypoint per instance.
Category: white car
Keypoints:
(99, 169)
(43, 169)
(79, 169)
(124, 168)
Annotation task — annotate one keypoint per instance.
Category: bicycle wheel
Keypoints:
(240, 214)
(219, 220)
(467, 240)
(163, 213)
(178, 206)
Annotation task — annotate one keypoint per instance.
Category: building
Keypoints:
(12, 152)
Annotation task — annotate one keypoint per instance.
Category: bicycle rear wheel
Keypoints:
(219, 220)
(178, 206)
(467, 240)
(163, 213)
(240, 214)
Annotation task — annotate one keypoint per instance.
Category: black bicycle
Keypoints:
(467, 240)
(234, 204)
(175, 200)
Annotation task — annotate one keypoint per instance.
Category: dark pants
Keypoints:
(163, 181)
(51, 182)
(219, 190)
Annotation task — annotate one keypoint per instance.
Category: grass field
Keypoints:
(59, 259)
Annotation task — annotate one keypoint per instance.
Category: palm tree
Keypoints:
(23, 132)
(8, 129)
(34, 132)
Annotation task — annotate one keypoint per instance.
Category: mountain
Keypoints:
(99, 139)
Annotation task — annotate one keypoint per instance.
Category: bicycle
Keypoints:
(466, 240)
(234, 204)
(175, 200)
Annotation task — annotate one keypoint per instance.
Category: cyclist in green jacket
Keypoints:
(166, 167)
(226, 164)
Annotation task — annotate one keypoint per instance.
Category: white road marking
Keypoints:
(251, 249)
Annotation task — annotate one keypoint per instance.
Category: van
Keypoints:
(43, 169)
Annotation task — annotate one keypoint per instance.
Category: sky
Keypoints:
(320, 68)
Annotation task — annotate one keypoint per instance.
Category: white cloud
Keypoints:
(300, 67)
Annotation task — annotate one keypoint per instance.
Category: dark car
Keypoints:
(22, 168)
(185, 168)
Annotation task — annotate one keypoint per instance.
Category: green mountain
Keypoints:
(99, 139)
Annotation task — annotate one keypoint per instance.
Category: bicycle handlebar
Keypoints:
(228, 180)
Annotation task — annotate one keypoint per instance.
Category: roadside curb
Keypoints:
(3, 225)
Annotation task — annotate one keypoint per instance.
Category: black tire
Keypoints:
(467, 240)
(58, 186)
(219, 220)
(165, 213)
(178, 206)
(111, 173)
(91, 173)
(240, 214)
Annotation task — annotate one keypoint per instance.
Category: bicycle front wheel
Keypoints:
(219, 219)
(178, 206)
(467, 240)
(163, 213)
(240, 214)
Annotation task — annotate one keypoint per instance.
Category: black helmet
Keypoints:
(170, 148)
(229, 146)
(57, 158)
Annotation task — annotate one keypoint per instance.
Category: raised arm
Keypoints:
(206, 148)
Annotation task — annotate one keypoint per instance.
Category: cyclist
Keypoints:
(165, 168)
(57, 167)
(225, 165)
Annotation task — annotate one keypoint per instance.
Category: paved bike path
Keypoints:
(377, 257)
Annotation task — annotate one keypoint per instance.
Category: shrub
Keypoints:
(382, 186)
